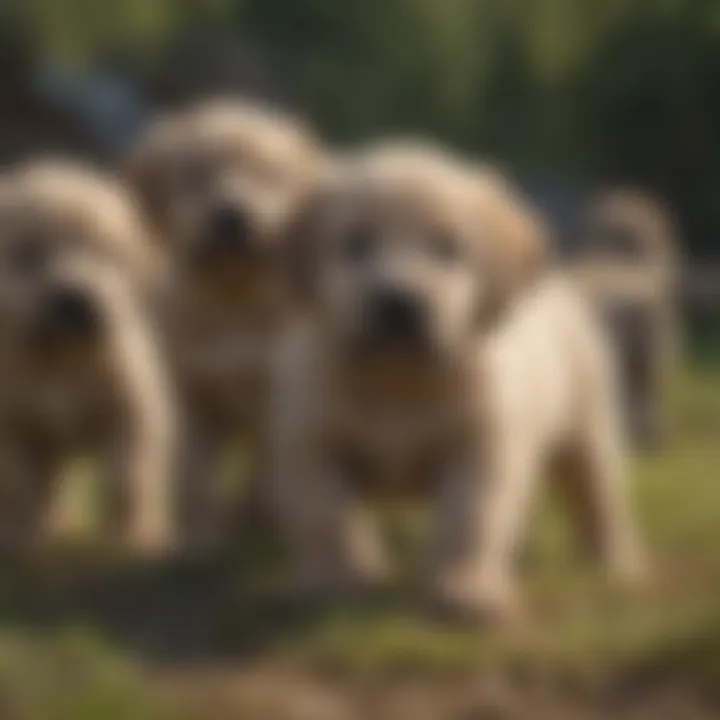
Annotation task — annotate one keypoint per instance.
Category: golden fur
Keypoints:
(81, 363)
(628, 264)
(220, 181)
(490, 367)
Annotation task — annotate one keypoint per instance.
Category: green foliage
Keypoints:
(77, 31)
(618, 90)
(70, 676)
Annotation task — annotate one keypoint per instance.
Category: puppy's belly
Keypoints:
(225, 379)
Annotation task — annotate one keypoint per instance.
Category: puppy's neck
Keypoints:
(256, 306)
(397, 385)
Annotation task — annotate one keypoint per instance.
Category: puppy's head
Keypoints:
(220, 181)
(627, 227)
(409, 252)
(72, 252)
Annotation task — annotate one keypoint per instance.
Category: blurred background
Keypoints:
(569, 93)
(572, 96)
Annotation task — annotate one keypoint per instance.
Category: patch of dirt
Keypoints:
(266, 693)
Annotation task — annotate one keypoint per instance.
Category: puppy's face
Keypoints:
(626, 228)
(71, 254)
(220, 181)
(414, 253)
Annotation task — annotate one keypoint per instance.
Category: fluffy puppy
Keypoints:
(628, 263)
(220, 182)
(81, 364)
(441, 357)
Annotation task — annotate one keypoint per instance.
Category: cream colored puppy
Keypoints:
(220, 182)
(628, 262)
(443, 357)
(81, 364)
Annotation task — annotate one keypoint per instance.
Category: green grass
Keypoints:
(85, 637)
(70, 676)
(577, 622)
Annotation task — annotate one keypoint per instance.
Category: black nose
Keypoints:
(395, 315)
(229, 229)
(71, 310)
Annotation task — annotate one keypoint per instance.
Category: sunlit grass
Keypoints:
(72, 666)
(71, 675)
(576, 621)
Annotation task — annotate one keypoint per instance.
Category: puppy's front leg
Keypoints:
(253, 508)
(27, 482)
(199, 517)
(139, 500)
(482, 514)
(329, 531)
(142, 457)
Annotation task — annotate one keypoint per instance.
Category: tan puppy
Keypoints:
(444, 358)
(220, 182)
(628, 262)
(81, 365)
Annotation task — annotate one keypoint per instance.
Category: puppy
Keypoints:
(442, 356)
(628, 263)
(220, 182)
(81, 363)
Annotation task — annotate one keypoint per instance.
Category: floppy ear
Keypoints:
(301, 247)
(143, 171)
(646, 221)
(514, 243)
(127, 236)
(144, 255)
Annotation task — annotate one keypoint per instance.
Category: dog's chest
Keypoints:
(395, 453)
(68, 412)
(390, 434)
(226, 371)
(224, 355)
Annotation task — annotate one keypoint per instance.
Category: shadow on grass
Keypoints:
(167, 612)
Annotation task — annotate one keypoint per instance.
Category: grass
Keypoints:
(71, 676)
(83, 637)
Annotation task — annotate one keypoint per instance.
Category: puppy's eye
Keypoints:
(444, 246)
(27, 256)
(358, 243)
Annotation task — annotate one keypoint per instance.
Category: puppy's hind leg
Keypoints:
(644, 387)
(593, 476)
(652, 384)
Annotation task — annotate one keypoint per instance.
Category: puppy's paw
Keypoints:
(151, 540)
(472, 597)
(631, 573)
